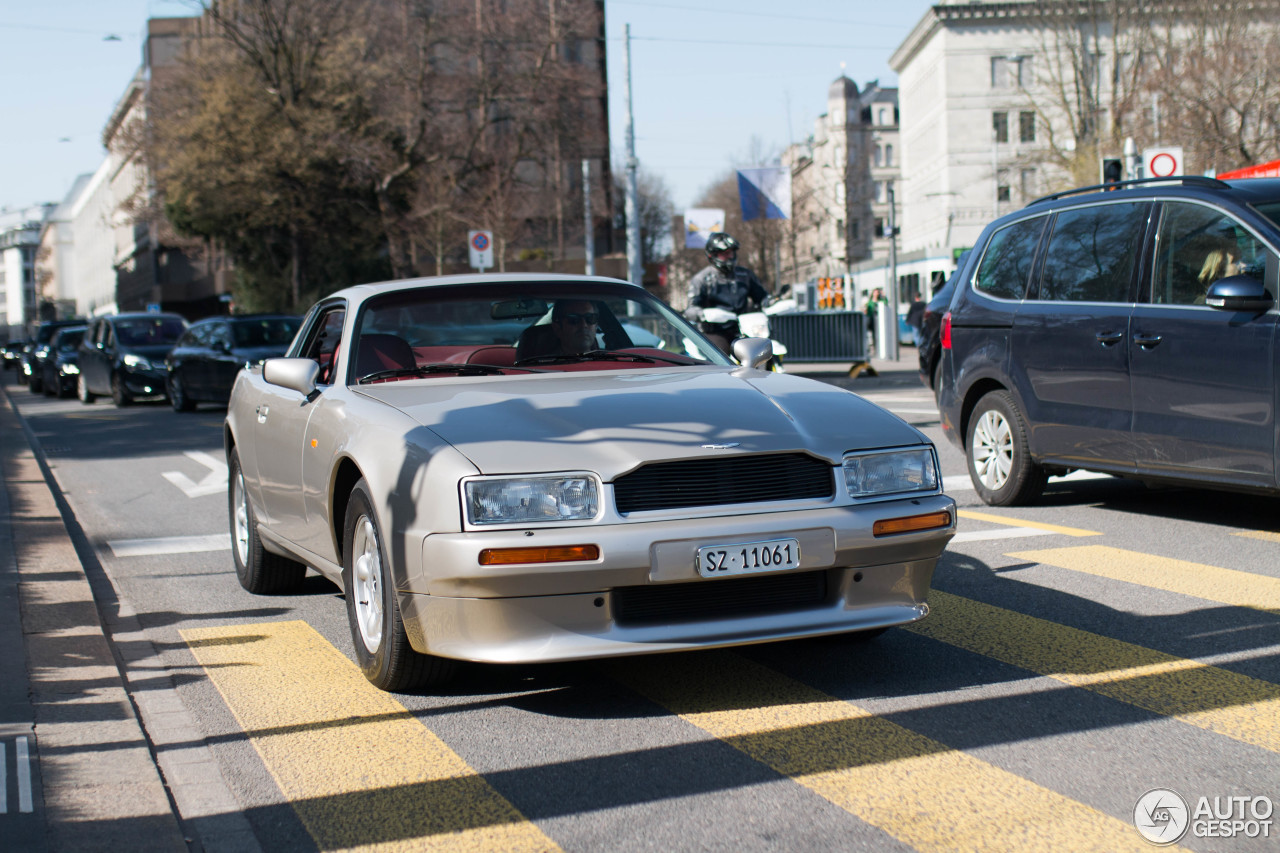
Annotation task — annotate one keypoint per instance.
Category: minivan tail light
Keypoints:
(945, 333)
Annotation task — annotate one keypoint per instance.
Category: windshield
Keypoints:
(1271, 210)
(265, 331)
(149, 331)
(68, 341)
(535, 325)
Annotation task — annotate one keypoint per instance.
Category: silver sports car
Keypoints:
(541, 468)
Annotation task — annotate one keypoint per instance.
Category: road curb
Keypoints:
(96, 779)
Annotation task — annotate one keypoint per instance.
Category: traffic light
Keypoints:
(1112, 170)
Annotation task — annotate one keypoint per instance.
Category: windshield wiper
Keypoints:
(591, 355)
(428, 369)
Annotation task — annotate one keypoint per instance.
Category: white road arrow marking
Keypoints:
(215, 482)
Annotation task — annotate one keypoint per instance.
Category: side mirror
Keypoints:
(297, 374)
(1238, 293)
(753, 352)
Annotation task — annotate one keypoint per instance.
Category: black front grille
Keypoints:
(728, 480)
(680, 602)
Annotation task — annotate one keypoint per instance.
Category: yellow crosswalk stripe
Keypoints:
(360, 770)
(1020, 522)
(1228, 586)
(916, 789)
(1219, 700)
(1264, 535)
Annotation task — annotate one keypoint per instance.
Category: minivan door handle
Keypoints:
(1147, 341)
(1109, 338)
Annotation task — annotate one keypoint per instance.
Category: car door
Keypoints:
(1070, 357)
(93, 359)
(281, 428)
(1203, 378)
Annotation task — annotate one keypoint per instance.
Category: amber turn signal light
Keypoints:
(561, 554)
(928, 521)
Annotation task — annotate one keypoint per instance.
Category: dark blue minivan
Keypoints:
(1128, 328)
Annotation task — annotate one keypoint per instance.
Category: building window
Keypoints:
(877, 190)
(1010, 72)
(853, 230)
(1000, 122)
(1026, 127)
(888, 155)
(879, 158)
(884, 116)
(1028, 183)
(879, 227)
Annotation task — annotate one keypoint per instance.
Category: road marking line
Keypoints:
(24, 776)
(214, 483)
(912, 787)
(961, 482)
(1002, 533)
(170, 545)
(356, 766)
(1227, 586)
(1018, 522)
(1246, 709)
(1265, 535)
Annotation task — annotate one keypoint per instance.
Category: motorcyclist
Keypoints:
(726, 286)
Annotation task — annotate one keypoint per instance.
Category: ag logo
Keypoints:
(1161, 816)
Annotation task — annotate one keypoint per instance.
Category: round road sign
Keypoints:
(480, 240)
(1163, 165)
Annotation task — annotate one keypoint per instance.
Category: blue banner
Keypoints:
(765, 193)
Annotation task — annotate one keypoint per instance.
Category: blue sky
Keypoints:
(714, 81)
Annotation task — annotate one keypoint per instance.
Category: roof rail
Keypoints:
(1193, 180)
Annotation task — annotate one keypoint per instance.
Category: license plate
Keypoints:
(771, 555)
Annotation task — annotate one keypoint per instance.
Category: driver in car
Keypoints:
(574, 323)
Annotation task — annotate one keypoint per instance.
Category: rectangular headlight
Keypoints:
(137, 362)
(522, 500)
(891, 472)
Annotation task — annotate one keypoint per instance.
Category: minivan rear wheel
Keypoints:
(999, 460)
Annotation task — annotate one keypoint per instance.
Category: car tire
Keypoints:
(119, 394)
(82, 391)
(258, 570)
(50, 388)
(177, 396)
(373, 610)
(998, 456)
(937, 378)
(35, 384)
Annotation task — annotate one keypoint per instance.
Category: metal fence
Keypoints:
(820, 336)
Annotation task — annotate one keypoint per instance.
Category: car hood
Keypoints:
(611, 422)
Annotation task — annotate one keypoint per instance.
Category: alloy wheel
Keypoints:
(366, 573)
(992, 450)
(241, 521)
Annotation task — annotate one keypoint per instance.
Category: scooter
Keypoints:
(723, 327)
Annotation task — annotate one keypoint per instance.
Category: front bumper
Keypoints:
(144, 383)
(572, 611)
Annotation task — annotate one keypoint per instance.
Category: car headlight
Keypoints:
(519, 500)
(70, 369)
(137, 362)
(891, 472)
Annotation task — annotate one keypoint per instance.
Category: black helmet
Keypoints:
(719, 243)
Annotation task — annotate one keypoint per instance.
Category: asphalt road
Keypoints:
(1109, 641)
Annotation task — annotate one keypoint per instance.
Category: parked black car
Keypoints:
(32, 365)
(203, 365)
(929, 340)
(1128, 328)
(123, 355)
(60, 373)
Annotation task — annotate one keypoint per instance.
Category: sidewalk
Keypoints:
(79, 774)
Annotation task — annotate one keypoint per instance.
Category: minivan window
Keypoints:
(1093, 252)
(1196, 246)
(1006, 264)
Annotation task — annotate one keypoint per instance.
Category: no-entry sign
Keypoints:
(480, 248)
(1162, 162)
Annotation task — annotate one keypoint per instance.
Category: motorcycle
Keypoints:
(724, 327)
